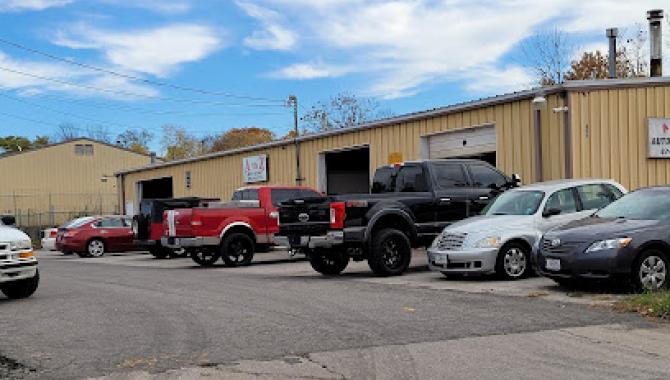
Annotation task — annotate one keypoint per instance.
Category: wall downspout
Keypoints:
(538, 145)
(567, 134)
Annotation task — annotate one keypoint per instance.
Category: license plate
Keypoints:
(440, 259)
(553, 264)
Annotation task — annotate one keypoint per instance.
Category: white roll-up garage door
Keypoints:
(467, 142)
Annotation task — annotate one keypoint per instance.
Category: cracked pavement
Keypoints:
(132, 317)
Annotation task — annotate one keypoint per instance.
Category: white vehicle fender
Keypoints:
(237, 224)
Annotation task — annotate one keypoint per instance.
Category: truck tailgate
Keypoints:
(310, 216)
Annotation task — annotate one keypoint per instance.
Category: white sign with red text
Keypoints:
(255, 169)
(659, 137)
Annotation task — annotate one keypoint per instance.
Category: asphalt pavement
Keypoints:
(129, 316)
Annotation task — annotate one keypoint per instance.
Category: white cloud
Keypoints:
(31, 5)
(158, 6)
(273, 35)
(404, 46)
(159, 51)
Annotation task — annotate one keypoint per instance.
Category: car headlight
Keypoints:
(488, 242)
(609, 244)
(19, 245)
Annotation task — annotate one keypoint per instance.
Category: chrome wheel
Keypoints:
(652, 273)
(514, 262)
(96, 248)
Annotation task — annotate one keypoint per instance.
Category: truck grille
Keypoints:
(564, 248)
(451, 241)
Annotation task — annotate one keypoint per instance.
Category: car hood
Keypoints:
(491, 223)
(593, 228)
(8, 234)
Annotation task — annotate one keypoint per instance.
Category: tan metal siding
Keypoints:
(57, 179)
(610, 135)
(220, 176)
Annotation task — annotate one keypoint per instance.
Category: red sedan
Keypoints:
(92, 236)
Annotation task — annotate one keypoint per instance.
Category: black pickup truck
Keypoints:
(408, 207)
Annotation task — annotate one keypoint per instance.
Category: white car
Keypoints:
(503, 239)
(49, 239)
(19, 276)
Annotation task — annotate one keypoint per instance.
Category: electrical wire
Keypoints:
(133, 77)
(128, 93)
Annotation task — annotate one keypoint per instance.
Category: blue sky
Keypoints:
(410, 55)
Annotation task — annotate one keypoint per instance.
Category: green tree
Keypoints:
(41, 141)
(14, 143)
(135, 140)
(178, 143)
(241, 137)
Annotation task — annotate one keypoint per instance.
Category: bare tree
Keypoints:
(66, 131)
(343, 110)
(135, 140)
(634, 43)
(549, 54)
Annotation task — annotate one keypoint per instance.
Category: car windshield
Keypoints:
(650, 204)
(520, 202)
(78, 222)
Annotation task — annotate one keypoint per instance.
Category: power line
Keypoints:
(132, 77)
(128, 93)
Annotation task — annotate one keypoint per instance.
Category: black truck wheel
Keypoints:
(329, 262)
(390, 254)
(160, 252)
(206, 257)
(237, 249)
(22, 288)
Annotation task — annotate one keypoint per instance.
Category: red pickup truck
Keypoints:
(233, 230)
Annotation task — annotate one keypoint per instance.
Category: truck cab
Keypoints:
(19, 276)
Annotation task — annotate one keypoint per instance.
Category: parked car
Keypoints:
(19, 276)
(503, 239)
(233, 230)
(93, 236)
(627, 241)
(410, 205)
(148, 224)
(49, 239)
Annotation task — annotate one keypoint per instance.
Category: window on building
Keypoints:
(83, 149)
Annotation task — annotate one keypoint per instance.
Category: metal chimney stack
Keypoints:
(611, 58)
(152, 156)
(655, 16)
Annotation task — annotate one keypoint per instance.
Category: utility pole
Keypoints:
(293, 100)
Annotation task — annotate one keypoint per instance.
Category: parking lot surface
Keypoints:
(129, 316)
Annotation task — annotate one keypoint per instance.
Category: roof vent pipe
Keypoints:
(611, 58)
(655, 16)
(152, 156)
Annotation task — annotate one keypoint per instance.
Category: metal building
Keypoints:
(46, 186)
(573, 130)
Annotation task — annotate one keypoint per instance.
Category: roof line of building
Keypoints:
(581, 85)
(29, 150)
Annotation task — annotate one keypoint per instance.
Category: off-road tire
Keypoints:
(390, 254)
(22, 288)
(160, 253)
(237, 250)
(329, 262)
(206, 257)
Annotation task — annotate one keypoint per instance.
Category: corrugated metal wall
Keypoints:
(609, 135)
(220, 176)
(55, 180)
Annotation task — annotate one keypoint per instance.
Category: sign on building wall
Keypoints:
(659, 137)
(255, 169)
(395, 157)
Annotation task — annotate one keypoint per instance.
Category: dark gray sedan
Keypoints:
(628, 240)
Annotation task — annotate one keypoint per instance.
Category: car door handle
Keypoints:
(445, 200)
(483, 198)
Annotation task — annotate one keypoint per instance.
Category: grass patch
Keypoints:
(652, 304)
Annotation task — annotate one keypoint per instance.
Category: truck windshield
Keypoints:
(651, 204)
(515, 203)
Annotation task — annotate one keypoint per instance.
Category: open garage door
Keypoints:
(345, 171)
(478, 142)
(159, 188)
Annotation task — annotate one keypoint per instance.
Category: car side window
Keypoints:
(251, 195)
(237, 196)
(593, 196)
(411, 179)
(563, 200)
(127, 222)
(450, 175)
(616, 192)
(484, 176)
(383, 180)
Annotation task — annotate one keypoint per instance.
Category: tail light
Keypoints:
(274, 215)
(337, 215)
(53, 233)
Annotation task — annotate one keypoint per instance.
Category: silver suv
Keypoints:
(19, 276)
(504, 237)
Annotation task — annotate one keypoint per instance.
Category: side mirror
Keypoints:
(550, 212)
(8, 220)
(516, 179)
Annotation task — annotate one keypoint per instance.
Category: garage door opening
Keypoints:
(476, 143)
(159, 188)
(345, 171)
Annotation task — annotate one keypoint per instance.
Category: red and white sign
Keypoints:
(255, 169)
(659, 137)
